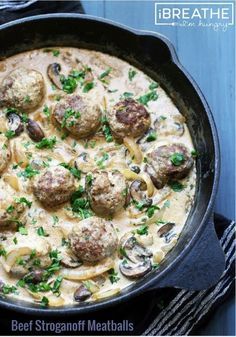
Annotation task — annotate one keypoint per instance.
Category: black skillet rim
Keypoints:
(138, 289)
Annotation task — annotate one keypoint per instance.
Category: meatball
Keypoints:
(106, 191)
(78, 116)
(11, 211)
(54, 186)
(128, 118)
(23, 89)
(169, 162)
(93, 239)
(5, 153)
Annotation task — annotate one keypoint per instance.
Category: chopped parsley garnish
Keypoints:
(131, 74)
(69, 84)
(127, 94)
(100, 162)
(47, 143)
(27, 99)
(88, 86)
(151, 136)
(29, 172)
(81, 206)
(10, 209)
(15, 241)
(122, 252)
(177, 159)
(176, 185)
(89, 179)
(106, 130)
(153, 85)
(55, 52)
(194, 153)
(7, 289)
(3, 252)
(44, 301)
(73, 170)
(46, 111)
(56, 285)
(105, 73)
(151, 210)
(77, 194)
(55, 219)
(68, 114)
(150, 96)
(155, 266)
(24, 201)
(143, 230)
(113, 276)
(10, 134)
(41, 232)
(22, 230)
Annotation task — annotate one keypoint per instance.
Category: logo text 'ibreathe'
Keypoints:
(195, 14)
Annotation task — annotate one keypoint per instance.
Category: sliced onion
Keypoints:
(14, 255)
(134, 149)
(105, 294)
(130, 175)
(87, 272)
(150, 187)
(12, 180)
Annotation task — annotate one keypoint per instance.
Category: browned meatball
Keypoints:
(169, 162)
(128, 118)
(93, 239)
(11, 211)
(54, 186)
(106, 191)
(5, 154)
(23, 89)
(78, 116)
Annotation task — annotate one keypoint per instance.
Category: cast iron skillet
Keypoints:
(197, 260)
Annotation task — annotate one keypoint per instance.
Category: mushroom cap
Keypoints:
(23, 89)
(77, 115)
(93, 239)
(128, 118)
(54, 186)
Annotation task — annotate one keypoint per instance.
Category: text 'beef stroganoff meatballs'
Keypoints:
(128, 118)
(54, 186)
(107, 191)
(23, 89)
(78, 116)
(169, 162)
(5, 153)
(93, 239)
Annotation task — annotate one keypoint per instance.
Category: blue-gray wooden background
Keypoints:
(209, 56)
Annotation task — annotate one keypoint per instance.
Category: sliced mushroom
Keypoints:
(35, 276)
(168, 126)
(142, 141)
(166, 231)
(135, 270)
(53, 72)
(82, 294)
(133, 250)
(15, 123)
(137, 189)
(34, 131)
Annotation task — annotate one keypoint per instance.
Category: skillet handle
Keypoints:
(202, 266)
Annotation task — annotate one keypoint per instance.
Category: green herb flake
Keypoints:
(88, 86)
(153, 86)
(22, 230)
(151, 210)
(150, 96)
(44, 301)
(142, 230)
(24, 201)
(176, 186)
(41, 232)
(113, 276)
(10, 209)
(151, 136)
(10, 134)
(47, 143)
(105, 73)
(177, 159)
(69, 84)
(29, 172)
(131, 74)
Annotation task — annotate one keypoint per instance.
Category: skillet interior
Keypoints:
(155, 56)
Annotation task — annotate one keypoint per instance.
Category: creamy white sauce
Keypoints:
(177, 204)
